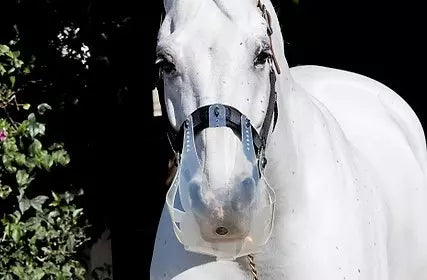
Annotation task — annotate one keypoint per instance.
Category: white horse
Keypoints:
(347, 158)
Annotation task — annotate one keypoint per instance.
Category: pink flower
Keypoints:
(3, 135)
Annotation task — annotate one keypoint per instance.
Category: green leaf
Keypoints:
(7, 161)
(6, 231)
(2, 70)
(16, 232)
(80, 192)
(77, 212)
(16, 54)
(19, 63)
(68, 197)
(10, 146)
(8, 277)
(61, 157)
(21, 194)
(24, 204)
(46, 160)
(12, 79)
(35, 148)
(26, 106)
(18, 271)
(27, 70)
(20, 159)
(30, 164)
(35, 129)
(22, 178)
(38, 274)
(64, 160)
(16, 216)
(56, 196)
(31, 117)
(38, 202)
(70, 243)
(56, 199)
(5, 191)
(52, 214)
(60, 276)
(56, 146)
(4, 49)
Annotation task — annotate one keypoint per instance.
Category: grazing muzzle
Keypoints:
(230, 222)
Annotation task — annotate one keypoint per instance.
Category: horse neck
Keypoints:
(292, 150)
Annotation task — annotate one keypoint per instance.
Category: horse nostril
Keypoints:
(221, 231)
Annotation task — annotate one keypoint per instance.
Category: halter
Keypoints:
(231, 118)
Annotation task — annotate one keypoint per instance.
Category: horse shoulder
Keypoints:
(364, 108)
(387, 134)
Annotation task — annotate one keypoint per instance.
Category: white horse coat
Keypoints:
(347, 161)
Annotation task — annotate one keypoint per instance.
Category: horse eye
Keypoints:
(262, 58)
(165, 65)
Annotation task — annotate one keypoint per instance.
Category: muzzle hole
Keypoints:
(221, 231)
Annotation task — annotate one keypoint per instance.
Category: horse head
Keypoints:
(219, 70)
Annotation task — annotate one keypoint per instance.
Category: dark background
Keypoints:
(104, 113)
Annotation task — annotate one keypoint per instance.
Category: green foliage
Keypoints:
(40, 233)
(11, 67)
(43, 245)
